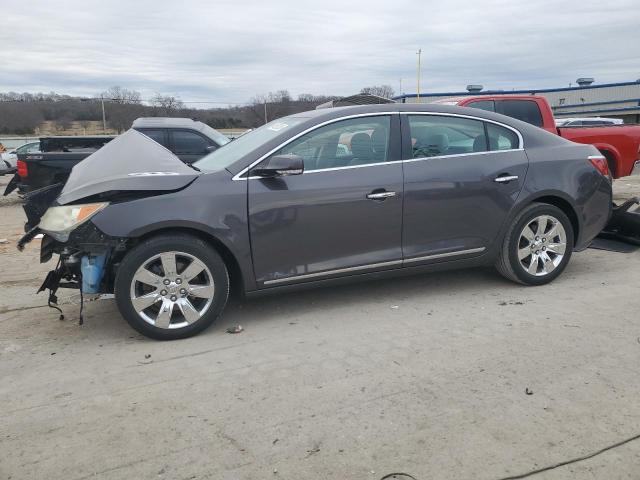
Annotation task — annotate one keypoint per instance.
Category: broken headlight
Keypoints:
(58, 222)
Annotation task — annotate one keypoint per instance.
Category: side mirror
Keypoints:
(280, 165)
(211, 148)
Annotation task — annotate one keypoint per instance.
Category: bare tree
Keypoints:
(19, 117)
(385, 91)
(305, 97)
(166, 104)
(121, 116)
(84, 124)
(64, 123)
(119, 94)
(24, 112)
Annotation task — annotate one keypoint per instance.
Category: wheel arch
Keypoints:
(236, 276)
(566, 207)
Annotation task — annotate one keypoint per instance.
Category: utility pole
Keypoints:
(400, 85)
(419, 53)
(265, 112)
(104, 118)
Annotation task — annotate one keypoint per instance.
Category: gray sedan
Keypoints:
(318, 198)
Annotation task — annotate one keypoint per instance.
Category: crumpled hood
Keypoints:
(130, 162)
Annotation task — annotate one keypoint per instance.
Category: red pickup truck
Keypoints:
(620, 144)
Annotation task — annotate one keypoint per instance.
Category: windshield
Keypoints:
(216, 136)
(241, 146)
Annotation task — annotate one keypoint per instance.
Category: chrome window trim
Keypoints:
(238, 176)
(495, 122)
(306, 276)
(418, 159)
(348, 167)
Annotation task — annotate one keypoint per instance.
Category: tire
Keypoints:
(194, 295)
(547, 259)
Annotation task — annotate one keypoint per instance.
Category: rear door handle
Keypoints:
(380, 195)
(506, 178)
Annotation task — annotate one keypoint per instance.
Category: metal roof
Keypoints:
(532, 91)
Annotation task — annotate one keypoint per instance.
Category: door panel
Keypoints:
(321, 223)
(453, 203)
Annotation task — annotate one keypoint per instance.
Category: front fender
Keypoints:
(213, 205)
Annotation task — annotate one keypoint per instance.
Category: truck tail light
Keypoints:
(22, 169)
(600, 163)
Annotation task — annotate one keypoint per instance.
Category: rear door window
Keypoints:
(525, 110)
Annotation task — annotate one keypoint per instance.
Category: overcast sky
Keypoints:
(228, 51)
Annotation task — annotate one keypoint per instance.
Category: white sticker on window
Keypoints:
(276, 127)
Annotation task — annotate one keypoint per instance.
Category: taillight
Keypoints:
(600, 163)
(22, 168)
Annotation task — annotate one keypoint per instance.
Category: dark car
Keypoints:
(322, 197)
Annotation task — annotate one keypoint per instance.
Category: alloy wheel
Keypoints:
(172, 290)
(542, 245)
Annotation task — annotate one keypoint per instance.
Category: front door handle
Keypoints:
(506, 178)
(380, 195)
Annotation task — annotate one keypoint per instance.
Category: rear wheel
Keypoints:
(171, 287)
(538, 246)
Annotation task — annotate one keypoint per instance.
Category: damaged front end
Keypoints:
(128, 168)
(87, 260)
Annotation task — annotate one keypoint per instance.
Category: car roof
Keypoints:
(532, 135)
(316, 116)
(168, 122)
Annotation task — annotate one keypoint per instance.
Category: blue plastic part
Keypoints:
(92, 267)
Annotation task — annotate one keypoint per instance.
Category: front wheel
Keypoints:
(537, 246)
(171, 286)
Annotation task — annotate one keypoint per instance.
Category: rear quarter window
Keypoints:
(501, 138)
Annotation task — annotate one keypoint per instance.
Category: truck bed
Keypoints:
(619, 142)
(45, 169)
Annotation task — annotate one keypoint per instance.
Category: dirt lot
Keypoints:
(424, 375)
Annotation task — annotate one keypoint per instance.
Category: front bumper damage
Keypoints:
(86, 262)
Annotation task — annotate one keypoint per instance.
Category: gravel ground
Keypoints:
(426, 375)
